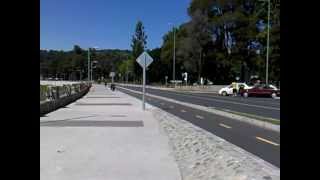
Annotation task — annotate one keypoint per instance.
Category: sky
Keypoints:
(107, 24)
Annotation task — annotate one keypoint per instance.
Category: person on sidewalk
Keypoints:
(241, 90)
(234, 87)
(105, 83)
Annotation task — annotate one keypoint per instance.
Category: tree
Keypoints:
(73, 64)
(77, 49)
(138, 45)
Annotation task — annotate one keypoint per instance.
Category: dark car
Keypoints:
(261, 91)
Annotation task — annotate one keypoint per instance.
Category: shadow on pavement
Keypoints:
(101, 123)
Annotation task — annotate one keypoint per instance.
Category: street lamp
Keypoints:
(268, 36)
(89, 77)
(174, 54)
(93, 62)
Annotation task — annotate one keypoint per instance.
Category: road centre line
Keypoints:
(225, 126)
(267, 141)
(210, 99)
(199, 117)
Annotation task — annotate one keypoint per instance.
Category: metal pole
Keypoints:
(174, 56)
(144, 84)
(267, 61)
(91, 71)
(88, 64)
(127, 71)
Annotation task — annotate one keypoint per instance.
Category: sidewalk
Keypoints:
(104, 136)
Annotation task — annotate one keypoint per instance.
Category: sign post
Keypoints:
(112, 74)
(144, 61)
(166, 78)
(185, 75)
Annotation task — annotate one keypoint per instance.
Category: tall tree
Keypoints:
(138, 45)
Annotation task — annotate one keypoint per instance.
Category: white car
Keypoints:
(274, 87)
(229, 90)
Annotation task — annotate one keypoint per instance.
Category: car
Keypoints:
(229, 90)
(261, 90)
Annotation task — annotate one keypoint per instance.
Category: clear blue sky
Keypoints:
(107, 24)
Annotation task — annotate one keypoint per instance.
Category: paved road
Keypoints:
(264, 107)
(261, 142)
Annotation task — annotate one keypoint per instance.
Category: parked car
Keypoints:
(229, 91)
(261, 90)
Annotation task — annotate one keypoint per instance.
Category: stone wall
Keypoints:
(49, 106)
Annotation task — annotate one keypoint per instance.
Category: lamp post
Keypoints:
(89, 76)
(268, 37)
(174, 55)
(92, 67)
(88, 64)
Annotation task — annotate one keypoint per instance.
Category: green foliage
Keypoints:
(73, 65)
(240, 18)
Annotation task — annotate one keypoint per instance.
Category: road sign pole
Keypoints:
(144, 61)
(88, 64)
(144, 84)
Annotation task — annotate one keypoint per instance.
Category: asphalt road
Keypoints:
(261, 142)
(264, 107)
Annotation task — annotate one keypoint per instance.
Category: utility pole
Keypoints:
(268, 41)
(127, 71)
(267, 63)
(88, 64)
(144, 84)
(91, 71)
(174, 56)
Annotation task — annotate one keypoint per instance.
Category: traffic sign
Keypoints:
(112, 74)
(144, 59)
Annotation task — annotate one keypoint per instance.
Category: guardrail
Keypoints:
(54, 97)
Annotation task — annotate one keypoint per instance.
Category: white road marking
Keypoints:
(182, 110)
(238, 103)
(210, 99)
(267, 141)
(199, 117)
(225, 126)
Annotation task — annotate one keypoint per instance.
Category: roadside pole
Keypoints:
(144, 61)
(144, 84)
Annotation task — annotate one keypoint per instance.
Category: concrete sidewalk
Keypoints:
(104, 135)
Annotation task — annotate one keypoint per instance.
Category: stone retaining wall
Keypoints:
(49, 106)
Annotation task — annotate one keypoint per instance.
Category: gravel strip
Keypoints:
(203, 156)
